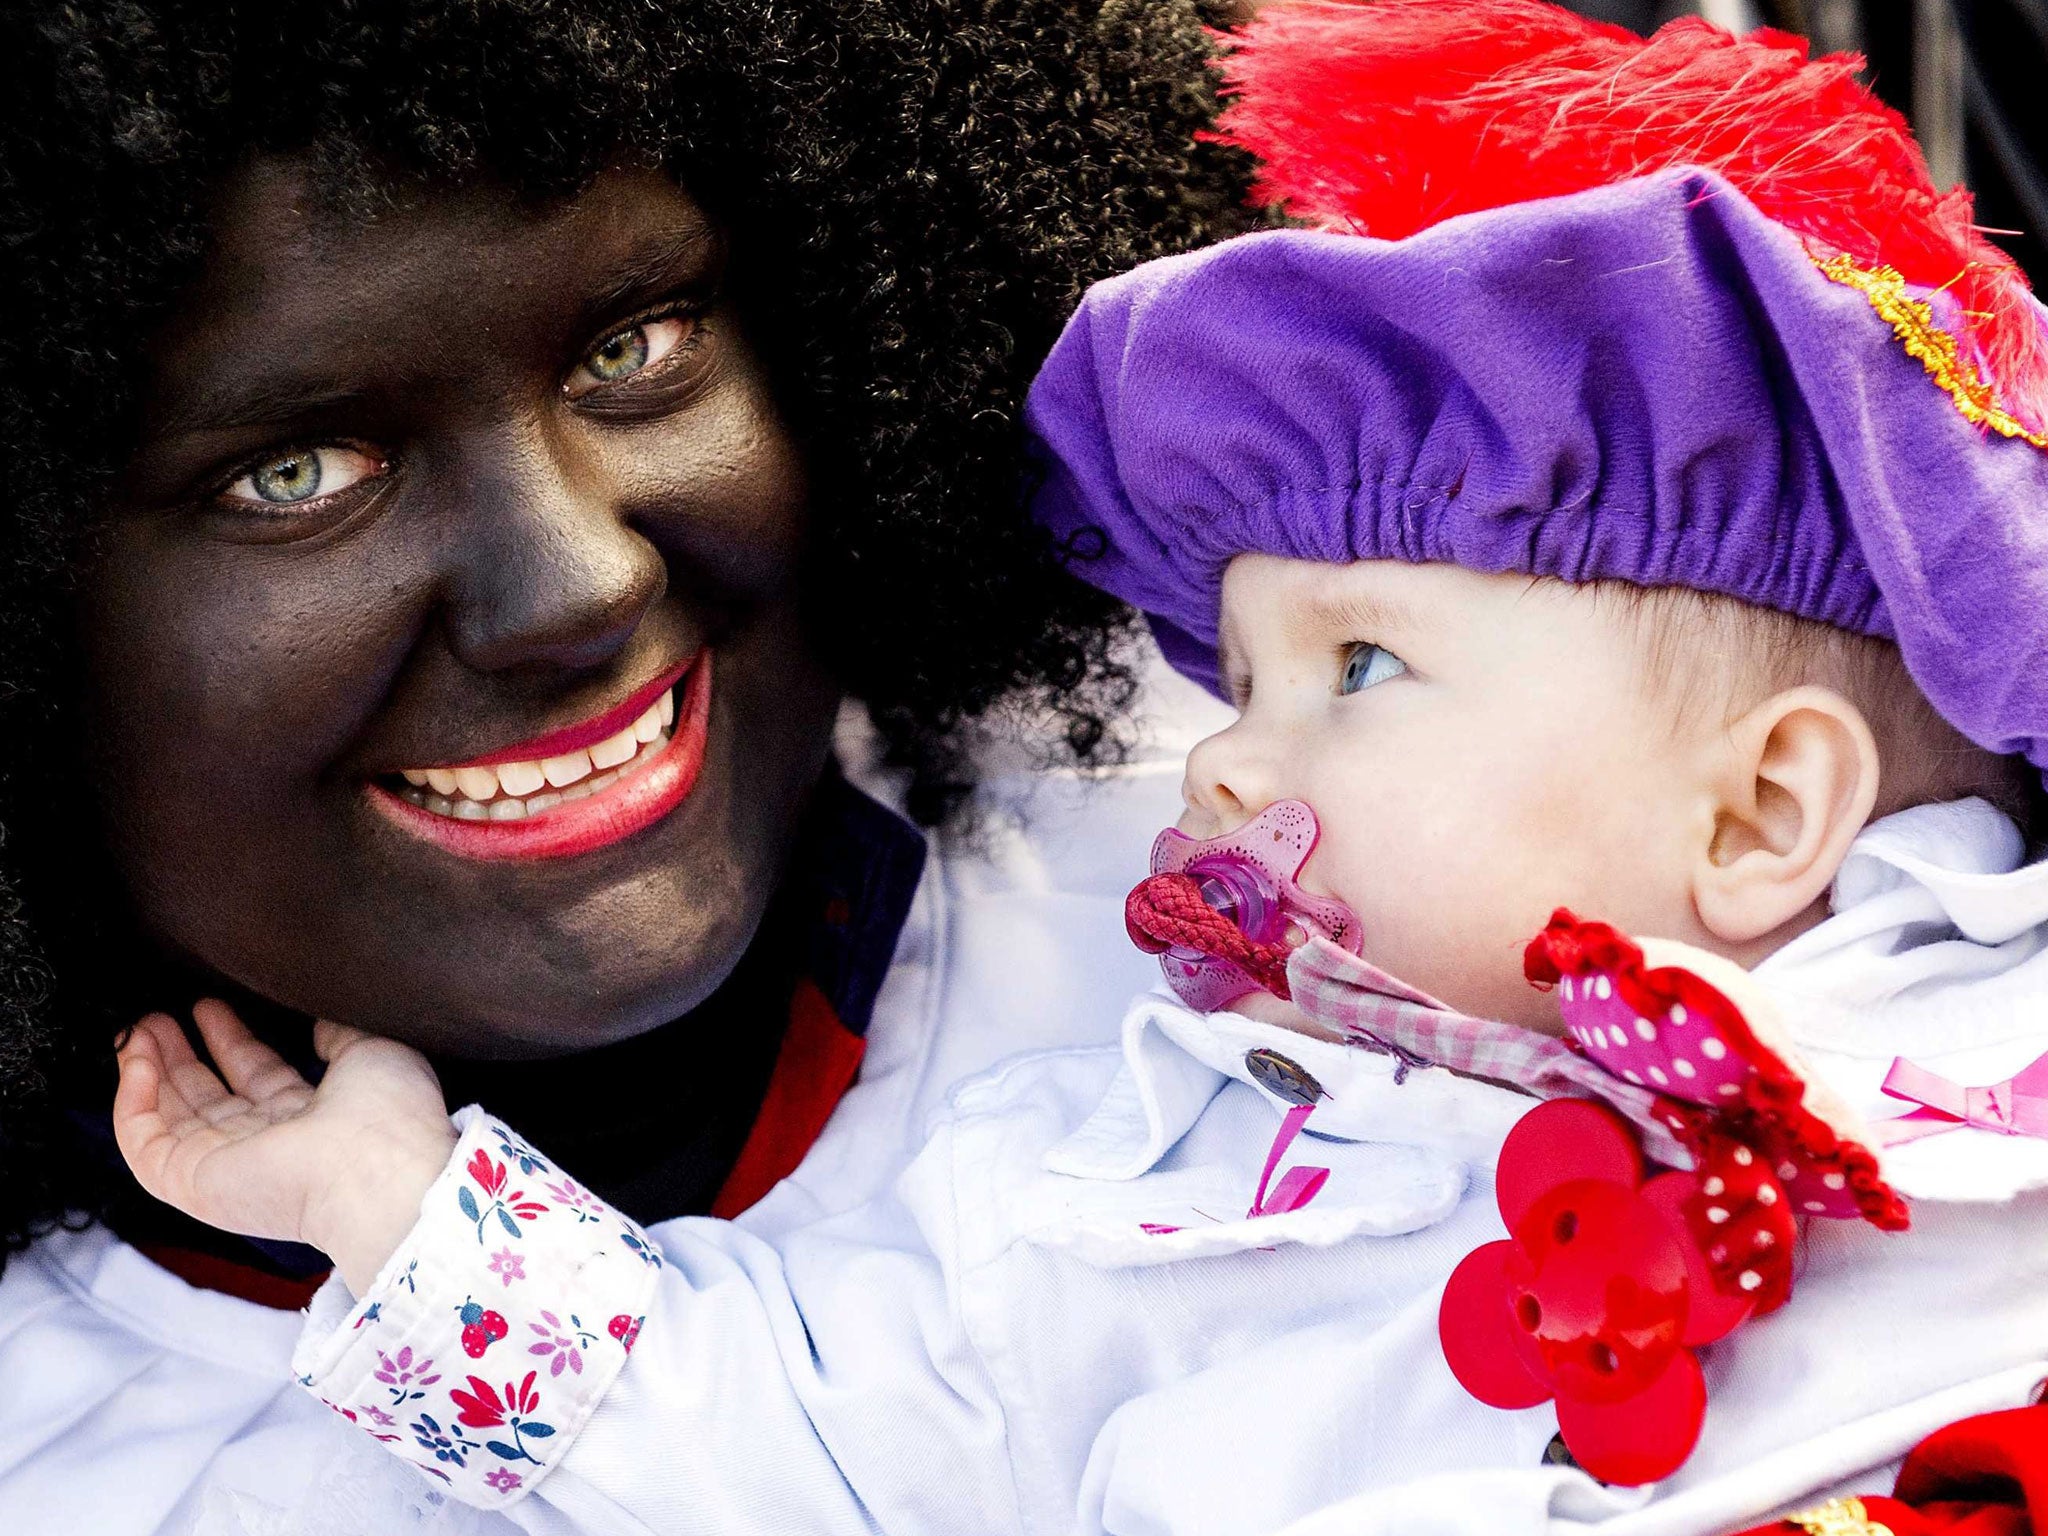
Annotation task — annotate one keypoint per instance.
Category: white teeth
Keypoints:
(514, 791)
(614, 750)
(520, 778)
(567, 769)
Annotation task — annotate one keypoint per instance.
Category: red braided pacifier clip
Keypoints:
(1167, 912)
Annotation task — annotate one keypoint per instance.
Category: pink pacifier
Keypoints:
(1223, 914)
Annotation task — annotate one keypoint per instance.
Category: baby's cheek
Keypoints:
(1457, 918)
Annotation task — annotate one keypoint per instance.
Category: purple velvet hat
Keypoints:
(1650, 381)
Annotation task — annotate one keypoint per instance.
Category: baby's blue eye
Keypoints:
(1367, 665)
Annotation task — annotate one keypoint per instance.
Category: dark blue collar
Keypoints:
(855, 876)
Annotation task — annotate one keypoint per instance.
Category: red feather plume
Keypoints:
(1384, 118)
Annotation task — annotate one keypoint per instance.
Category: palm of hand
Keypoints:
(265, 1153)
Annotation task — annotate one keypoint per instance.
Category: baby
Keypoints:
(1486, 747)
(1648, 549)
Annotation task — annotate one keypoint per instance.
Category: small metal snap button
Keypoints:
(1284, 1079)
(1558, 1454)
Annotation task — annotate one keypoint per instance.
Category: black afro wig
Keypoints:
(923, 186)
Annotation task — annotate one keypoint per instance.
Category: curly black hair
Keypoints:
(925, 186)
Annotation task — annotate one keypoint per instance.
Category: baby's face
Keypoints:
(1479, 751)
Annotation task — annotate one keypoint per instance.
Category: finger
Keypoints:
(188, 1079)
(160, 1037)
(331, 1039)
(173, 1049)
(194, 1081)
(136, 1115)
(149, 1138)
(139, 1129)
(252, 1069)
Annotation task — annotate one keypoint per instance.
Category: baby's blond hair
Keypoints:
(1705, 651)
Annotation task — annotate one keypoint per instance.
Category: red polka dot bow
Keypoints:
(1610, 1278)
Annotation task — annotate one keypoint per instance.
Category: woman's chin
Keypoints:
(567, 997)
(491, 960)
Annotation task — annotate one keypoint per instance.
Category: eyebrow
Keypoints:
(265, 403)
(274, 402)
(1356, 615)
(1361, 615)
(654, 264)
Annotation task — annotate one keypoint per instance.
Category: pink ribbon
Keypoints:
(2016, 1107)
(1296, 1188)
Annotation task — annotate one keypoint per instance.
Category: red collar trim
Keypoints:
(818, 1061)
(210, 1273)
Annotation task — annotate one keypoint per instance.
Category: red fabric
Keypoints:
(1986, 1476)
(1587, 1302)
(1948, 1518)
(819, 1060)
(2001, 1457)
(243, 1280)
(1384, 119)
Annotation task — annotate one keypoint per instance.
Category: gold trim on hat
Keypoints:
(1912, 321)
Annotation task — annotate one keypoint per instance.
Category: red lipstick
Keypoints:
(590, 732)
(634, 802)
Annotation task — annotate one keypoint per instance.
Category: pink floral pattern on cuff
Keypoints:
(495, 1330)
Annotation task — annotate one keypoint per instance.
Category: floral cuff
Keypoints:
(492, 1334)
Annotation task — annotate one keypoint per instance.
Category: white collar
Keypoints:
(1937, 940)
(1936, 950)
(1176, 1060)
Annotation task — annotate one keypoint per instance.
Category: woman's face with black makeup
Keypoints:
(446, 673)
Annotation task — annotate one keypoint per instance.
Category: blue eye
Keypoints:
(1365, 666)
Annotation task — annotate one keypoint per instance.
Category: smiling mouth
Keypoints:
(512, 791)
(567, 792)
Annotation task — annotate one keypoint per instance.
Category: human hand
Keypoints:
(342, 1166)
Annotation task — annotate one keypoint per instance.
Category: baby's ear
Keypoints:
(1800, 781)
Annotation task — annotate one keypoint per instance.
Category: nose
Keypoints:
(1230, 777)
(547, 572)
